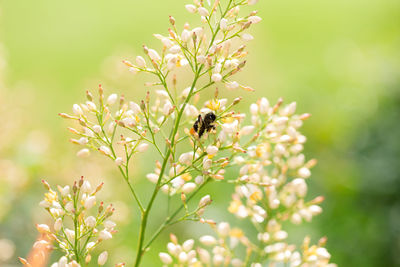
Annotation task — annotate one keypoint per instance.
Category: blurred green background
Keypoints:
(340, 60)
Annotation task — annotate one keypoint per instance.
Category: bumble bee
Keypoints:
(205, 124)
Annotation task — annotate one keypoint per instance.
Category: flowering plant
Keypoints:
(195, 145)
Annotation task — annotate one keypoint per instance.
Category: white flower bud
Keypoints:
(152, 177)
(247, 37)
(218, 259)
(263, 105)
(191, 8)
(208, 240)
(182, 257)
(154, 55)
(198, 31)
(236, 263)
(70, 234)
(142, 147)
(102, 258)
(201, 59)
(188, 188)
(167, 108)
(246, 130)
(91, 105)
(212, 150)
(83, 153)
(89, 202)
(253, 109)
(175, 49)
(105, 235)
(315, 209)
(90, 245)
(134, 107)
(90, 221)
(199, 179)
(105, 150)
(43, 228)
(140, 62)
(77, 110)
(280, 235)
(304, 172)
(203, 12)
(185, 36)
(69, 206)
(109, 225)
(252, 2)
(112, 99)
(119, 161)
(254, 19)
(207, 163)
(63, 262)
(204, 201)
(186, 158)
(165, 258)
(86, 187)
(223, 229)
(232, 85)
(188, 245)
(216, 77)
(223, 24)
(58, 224)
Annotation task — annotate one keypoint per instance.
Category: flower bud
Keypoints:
(102, 258)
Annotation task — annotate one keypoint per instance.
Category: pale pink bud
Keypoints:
(182, 257)
(191, 8)
(188, 188)
(77, 110)
(58, 224)
(216, 77)
(83, 153)
(252, 2)
(263, 105)
(247, 37)
(232, 85)
(223, 24)
(86, 187)
(140, 62)
(89, 202)
(102, 258)
(112, 99)
(246, 130)
(90, 221)
(254, 19)
(154, 55)
(203, 12)
(188, 245)
(105, 235)
(109, 225)
(212, 150)
(204, 201)
(142, 147)
(208, 240)
(185, 36)
(223, 229)
(43, 228)
(304, 172)
(152, 177)
(165, 258)
(119, 161)
(105, 150)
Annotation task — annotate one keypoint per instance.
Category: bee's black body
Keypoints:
(202, 125)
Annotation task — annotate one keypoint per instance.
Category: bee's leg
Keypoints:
(202, 130)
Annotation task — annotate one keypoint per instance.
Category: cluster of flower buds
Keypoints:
(79, 224)
(212, 49)
(223, 249)
(97, 126)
